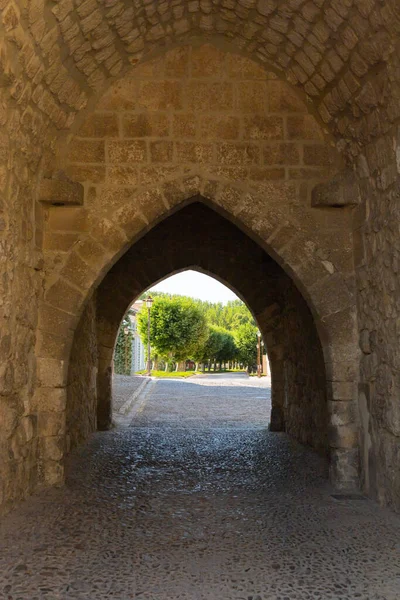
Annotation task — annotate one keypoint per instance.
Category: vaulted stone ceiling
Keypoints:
(339, 51)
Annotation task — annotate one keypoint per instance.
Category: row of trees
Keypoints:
(210, 334)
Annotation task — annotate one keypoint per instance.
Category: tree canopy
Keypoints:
(177, 327)
(187, 328)
(229, 315)
(219, 346)
(246, 343)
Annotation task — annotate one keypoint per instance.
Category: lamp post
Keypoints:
(149, 302)
(258, 353)
(262, 358)
(126, 333)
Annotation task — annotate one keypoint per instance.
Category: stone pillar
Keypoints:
(277, 391)
(343, 435)
(104, 395)
(270, 323)
(106, 336)
(50, 401)
(277, 366)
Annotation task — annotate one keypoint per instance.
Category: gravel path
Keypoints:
(196, 500)
(232, 399)
(124, 386)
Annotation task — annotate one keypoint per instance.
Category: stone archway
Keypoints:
(58, 61)
(259, 163)
(197, 236)
(334, 318)
(261, 170)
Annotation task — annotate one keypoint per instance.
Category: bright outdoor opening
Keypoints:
(191, 323)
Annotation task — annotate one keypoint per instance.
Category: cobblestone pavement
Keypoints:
(196, 500)
(124, 386)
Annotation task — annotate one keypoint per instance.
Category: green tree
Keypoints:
(228, 350)
(246, 342)
(208, 350)
(177, 327)
(229, 326)
(229, 316)
(218, 347)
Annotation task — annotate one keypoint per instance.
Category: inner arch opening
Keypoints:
(201, 335)
(216, 307)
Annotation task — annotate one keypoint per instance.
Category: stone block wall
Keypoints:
(305, 407)
(199, 106)
(21, 280)
(81, 413)
(377, 258)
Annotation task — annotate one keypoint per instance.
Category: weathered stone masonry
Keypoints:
(199, 121)
(57, 66)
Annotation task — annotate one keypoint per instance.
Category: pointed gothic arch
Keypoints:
(332, 325)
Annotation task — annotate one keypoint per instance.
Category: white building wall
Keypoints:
(138, 350)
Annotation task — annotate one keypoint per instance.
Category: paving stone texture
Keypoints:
(192, 498)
